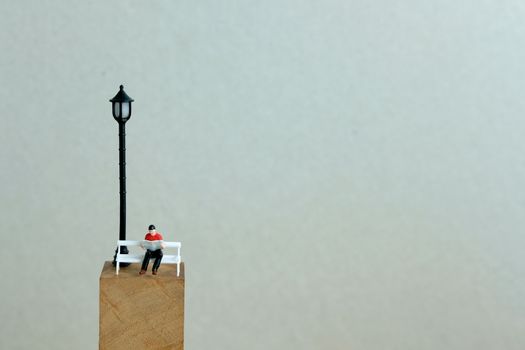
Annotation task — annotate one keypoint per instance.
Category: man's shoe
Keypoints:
(154, 272)
(142, 272)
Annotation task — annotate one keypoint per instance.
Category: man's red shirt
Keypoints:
(156, 237)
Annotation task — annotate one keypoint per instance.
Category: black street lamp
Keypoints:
(122, 112)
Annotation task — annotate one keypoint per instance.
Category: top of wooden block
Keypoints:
(166, 271)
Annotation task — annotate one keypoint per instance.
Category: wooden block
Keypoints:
(141, 312)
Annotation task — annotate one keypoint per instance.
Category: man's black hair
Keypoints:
(151, 227)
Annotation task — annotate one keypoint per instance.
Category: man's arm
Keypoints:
(142, 242)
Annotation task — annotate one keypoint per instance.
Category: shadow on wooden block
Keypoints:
(141, 312)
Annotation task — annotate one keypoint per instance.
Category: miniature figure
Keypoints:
(153, 245)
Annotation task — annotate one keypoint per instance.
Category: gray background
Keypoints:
(342, 174)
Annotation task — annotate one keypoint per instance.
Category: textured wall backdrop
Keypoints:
(342, 174)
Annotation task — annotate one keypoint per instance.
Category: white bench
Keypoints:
(138, 258)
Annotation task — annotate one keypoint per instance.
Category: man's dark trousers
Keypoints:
(157, 254)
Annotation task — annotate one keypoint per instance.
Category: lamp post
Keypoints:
(121, 104)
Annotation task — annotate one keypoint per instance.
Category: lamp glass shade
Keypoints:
(121, 110)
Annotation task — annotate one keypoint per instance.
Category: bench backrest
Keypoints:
(129, 243)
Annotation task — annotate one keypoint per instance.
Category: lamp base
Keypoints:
(123, 250)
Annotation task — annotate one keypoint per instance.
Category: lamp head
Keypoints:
(121, 106)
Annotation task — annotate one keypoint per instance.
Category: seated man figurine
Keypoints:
(152, 235)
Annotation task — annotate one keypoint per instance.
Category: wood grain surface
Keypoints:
(141, 312)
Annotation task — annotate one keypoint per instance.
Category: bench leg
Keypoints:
(178, 269)
(117, 266)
